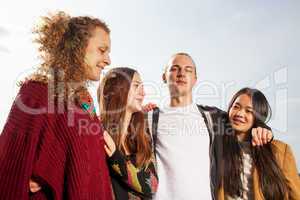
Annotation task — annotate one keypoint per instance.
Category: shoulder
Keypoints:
(281, 150)
(279, 144)
(214, 112)
(211, 109)
(281, 147)
(33, 87)
(287, 162)
(32, 93)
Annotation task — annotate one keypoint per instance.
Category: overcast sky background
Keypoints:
(234, 44)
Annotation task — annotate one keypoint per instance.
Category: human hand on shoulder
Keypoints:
(261, 136)
(148, 107)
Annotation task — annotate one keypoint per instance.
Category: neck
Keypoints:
(126, 121)
(242, 137)
(181, 101)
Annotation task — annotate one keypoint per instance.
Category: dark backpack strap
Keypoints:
(209, 119)
(155, 118)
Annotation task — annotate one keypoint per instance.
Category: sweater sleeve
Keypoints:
(291, 175)
(18, 144)
(50, 157)
(142, 180)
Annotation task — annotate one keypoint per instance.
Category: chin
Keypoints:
(138, 109)
(241, 130)
(237, 128)
(95, 78)
(135, 110)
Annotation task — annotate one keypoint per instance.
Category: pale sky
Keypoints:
(234, 44)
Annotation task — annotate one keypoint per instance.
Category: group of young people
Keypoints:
(54, 146)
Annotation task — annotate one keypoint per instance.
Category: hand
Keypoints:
(109, 146)
(34, 186)
(148, 107)
(261, 136)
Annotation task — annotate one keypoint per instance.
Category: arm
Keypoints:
(261, 135)
(18, 145)
(290, 171)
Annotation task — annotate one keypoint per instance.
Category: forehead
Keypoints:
(181, 60)
(136, 78)
(244, 100)
(100, 37)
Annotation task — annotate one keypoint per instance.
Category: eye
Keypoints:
(136, 85)
(189, 70)
(173, 69)
(236, 107)
(249, 111)
(102, 50)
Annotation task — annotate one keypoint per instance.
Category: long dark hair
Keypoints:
(112, 96)
(271, 178)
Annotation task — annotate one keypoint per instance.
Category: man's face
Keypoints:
(180, 75)
(97, 54)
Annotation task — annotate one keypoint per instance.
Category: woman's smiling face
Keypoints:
(241, 114)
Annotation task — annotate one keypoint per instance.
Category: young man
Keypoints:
(188, 137)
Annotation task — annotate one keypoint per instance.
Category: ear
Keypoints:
(164, 78)
(196, 75)
(194, 81)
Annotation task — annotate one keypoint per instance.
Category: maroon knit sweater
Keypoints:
(62, 150)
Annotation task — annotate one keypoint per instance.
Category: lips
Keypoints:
(139, 99)
(99, 66)
(181, 82)
(237, 120)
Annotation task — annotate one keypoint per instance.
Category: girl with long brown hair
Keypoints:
(128, 143)
(268, 172)
(52, 135)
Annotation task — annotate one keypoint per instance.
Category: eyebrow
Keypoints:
(249, 107)
(137, 82)
(105, 47)
(188, 66)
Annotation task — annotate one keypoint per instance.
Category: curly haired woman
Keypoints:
(52, 135)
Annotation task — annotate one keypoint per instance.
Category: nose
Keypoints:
(180, 72)
(107, 60)
(240, 113)
(142, 91)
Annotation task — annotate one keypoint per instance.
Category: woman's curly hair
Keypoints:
(62, 43)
